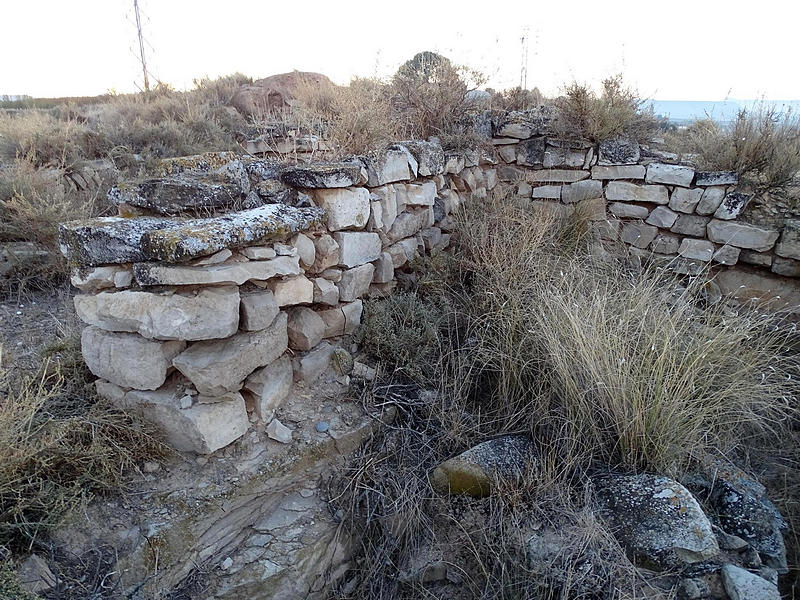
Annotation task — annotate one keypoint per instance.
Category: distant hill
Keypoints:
(685, 111)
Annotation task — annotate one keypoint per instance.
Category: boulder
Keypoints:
(202, 428)
(656, 519)
(669, 174)
(744, 585)
(220, 366)
(257, 310)
(128, 359)
(618, 172)
(263, 96)
(357, 247)
(200, 315)
(270, 386)
(322, 175)
(149, 274)
(476, 471)
(741, 235)
(305, 328)
(619, 151)
(345, 208)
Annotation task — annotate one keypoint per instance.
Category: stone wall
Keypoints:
(228, 280)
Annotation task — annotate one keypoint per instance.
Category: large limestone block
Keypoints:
(429, 156)
(420, 194)
(685, 200)
(741, 235)
(326, 253)
(325, 292)
(789, 246)
(638, 234)
(322, 175)
(558, 175)
(176, 195)
(202, 428)
(202, 237)
(624, 191)
(662, 217)
(618, 172)
(220, 366)
(582, 190)
(355, 282)
(128, 359)
(669, 174)
(200, 315)
(408, 224)
(342, 320)
(94, 279)
(475, 471)
(388, 167)
(270, 386)
(305, 328)
(106, 240)
(292, 290)
(357, 247)
(696, 249)
(236, 273)
(619, 151)
(694, 225)
(345, 208)
(657, 520)
(710, 200)
(257, 310)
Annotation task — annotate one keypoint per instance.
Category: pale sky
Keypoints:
(672, 50)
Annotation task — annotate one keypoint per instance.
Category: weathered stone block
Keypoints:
(696, 249)
(732, 205)
(562, 157)
(257, 310)
(716, 178)
(581, 190)
(326, 253)
(176, 195)
(669, 174)
(755, 258)
(403, 251)
(325, 292)
(305, 328)
(128, 359)
(741, 235)
(551, 192)
(420, 194)
(202, 315)
(322, 175)
(557, 175)
(237, 273)
(305, 249)
(313, 364)
(665, 244)
(94, 279)
(727, 255)
(789, 245)
(258, 252)
(454, 162)
(355, 282)
(684, 200)
(592, 209)
(345, 208)
(620, 172)
(292, 290)
(693, 225)
(429, 156)
(388, 167)
(408, 224)
(384, 268)
(531, 152)
(387, 196)
(625, 210)
(270, 386)
(710, 200)
(202, 428)
(107, 240)
(638, 234)
(508, 153)
(618, 151)
(786, 266)
(357, 247)
(623, 191)
(220, 366)
(662, 217)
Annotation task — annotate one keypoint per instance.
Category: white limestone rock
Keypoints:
(270, 385)
(384, 268)
(325, 291)
(305, 249)
(662, 217)
(237, 273)
(204, 314)
(305, 328)
(420, 194)
(710, 200)
(326, 253)
(741, 235)
(696, 249)
(345, 208)
(618, 172)
(744, 585)
(279, 432)
(355, 282)
(258, 252)
(669, 174)
(357, 247)
(94, 279)
(128, 359)
(220, 366)
(292, 290)
(257, 310)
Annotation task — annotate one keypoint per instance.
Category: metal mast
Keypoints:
(141, 45)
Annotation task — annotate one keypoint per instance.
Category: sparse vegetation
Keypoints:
(617, 111)
(762, 146)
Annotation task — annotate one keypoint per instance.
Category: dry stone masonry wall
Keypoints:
(228, 280)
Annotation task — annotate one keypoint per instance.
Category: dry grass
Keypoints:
(762, 145)
(605, 365)
(59, 443)
(617, 111)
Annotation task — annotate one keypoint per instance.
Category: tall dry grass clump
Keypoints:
(617, 111)
(762, 145)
